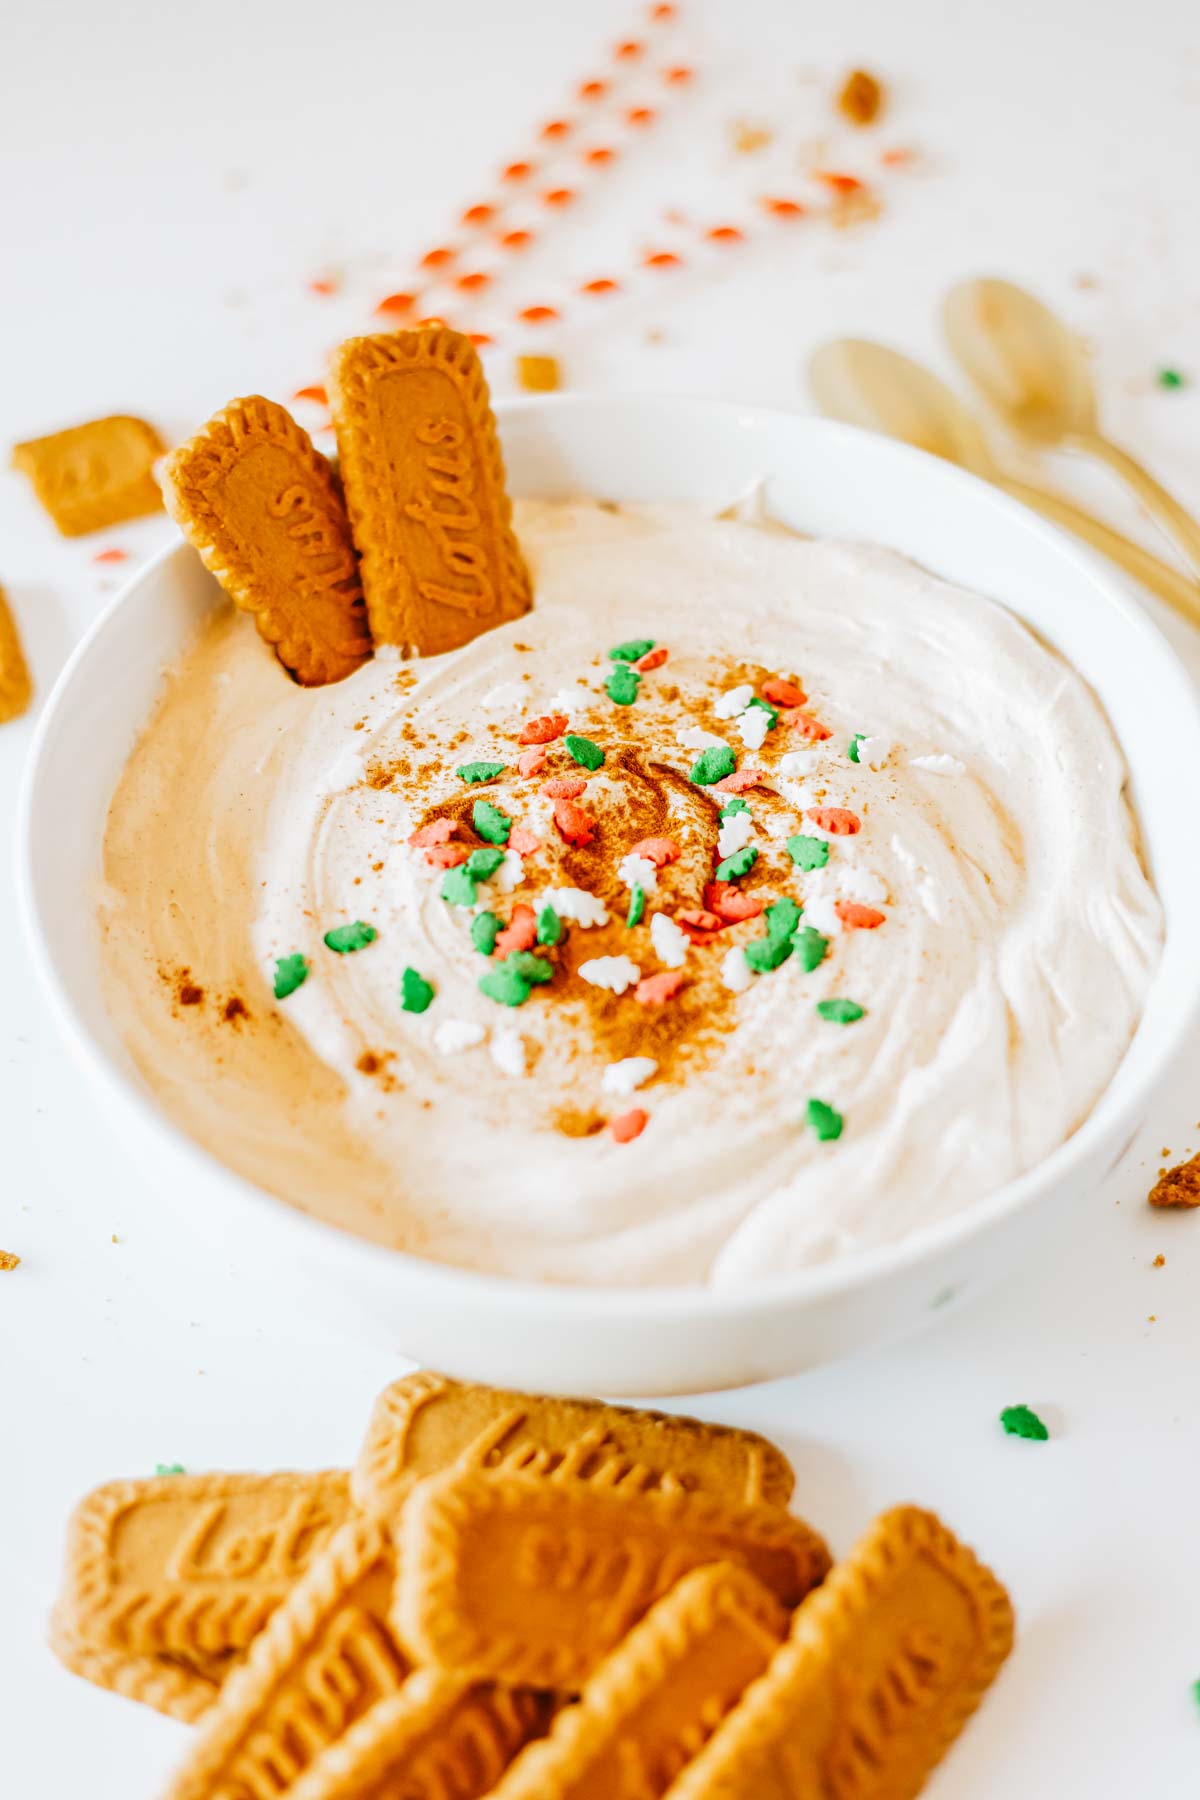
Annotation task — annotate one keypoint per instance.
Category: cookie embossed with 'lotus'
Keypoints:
(263, 509)
(424, 481)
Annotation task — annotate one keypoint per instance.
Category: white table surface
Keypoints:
(171, 178)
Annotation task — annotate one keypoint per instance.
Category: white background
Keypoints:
(172, 177)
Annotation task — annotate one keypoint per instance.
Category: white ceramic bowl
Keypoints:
(820, 478)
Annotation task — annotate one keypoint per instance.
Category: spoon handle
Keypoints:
(1174, 518)
(1159, 577)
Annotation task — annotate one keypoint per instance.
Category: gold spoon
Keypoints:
(1032, 371)
(867, 384)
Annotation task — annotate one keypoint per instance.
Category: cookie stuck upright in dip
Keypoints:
(746, 901)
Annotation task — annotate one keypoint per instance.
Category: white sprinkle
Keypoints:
(509, 1051)
(874, 750)
(577, 905)
(499, 699)
(455, 1035)
(692, 737)
(736, 973)
(626, 1076)
(734, 701)
(753, 726)
(938, 765)
(638, 871)
(671, 942)
(735, 833)
(799, 762)
(820, 911)
(616, 973)
(508, 875)
(570, 700)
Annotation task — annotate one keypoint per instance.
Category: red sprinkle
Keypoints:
(784, 209)
(600, 155)
(518, 171)
(783, 693)
(516, 240)
(896, 159)
(658, 850)
(447, 856)
(574, 825)
(437, 258)
(565, 787)
(537, 315)
(312, 393)
(394, 305)
(111, 556)
(729, 902)
(479, 214)
(480, 339)
(602, 285)
(473, 281)
(665, 10)
(593, 90)
(438, 831)
(545, 729)
(521, 931)
(840, 184)
(531, 760)
(674, 77)
(628, 50)
(662, 259)
(556, 128)
(323, 285)
(627, 1126)
(836, 820)
(558, 197)
(640, 115)
(740, 780)
(806, 725)
(523, 841)
(856, 917)
(653, 659)
(655, 990)
(725, 234)
(700, 925)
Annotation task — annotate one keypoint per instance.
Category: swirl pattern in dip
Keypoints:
(985, 922)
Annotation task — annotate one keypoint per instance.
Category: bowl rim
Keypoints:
(343, 1252)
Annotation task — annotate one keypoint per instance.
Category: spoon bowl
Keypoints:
(1022, 360)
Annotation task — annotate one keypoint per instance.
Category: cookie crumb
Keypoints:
(1177, 1187)
(539, 374)
(861, 98)
(8, 1260)
(1158, 1262)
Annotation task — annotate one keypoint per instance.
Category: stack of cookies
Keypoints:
(536, 1599)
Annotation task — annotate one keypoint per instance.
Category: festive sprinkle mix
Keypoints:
(740, 780)
(520, 933)
(764, 706)
(510, 874)
(656, 990)
(446, 856)
(823, 1120)
(524, 841)
(736, 973)
(574, 825)
(549, 926)
(809, 727)
(479, 771)
(638, 871)
(841, 1012)
(737, 865)
(345, 938)
(657, 850)
(836, 820)
(453, 1036)
(482, 863)
(730, 904)
(577, 905)
(439, 831)
(784, 693)
(615, 973)
(811, 948)
(767, 953)
(544, 730)
(531, 760)
(733, 807)
(713, 764)
(622, 685)
(763, 955)
(626, 1076)
(852, 746)
(856, 917)
(700, 925)
(291, 972)
(492, 825)
(415, 992)
(629, 1125)
(1022, 1421)
(584, 751)
(733, 701)
(565, 787)
(505, 985)
(808, 852)
(1171, 378)
(485, 929)
(169, 1469)
(753, 726)
(508, 1052)
(632, 650)
(533, 969)
(653, 659)
(670, 943)
(637, 906)
(458, 887)
(734, 834)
